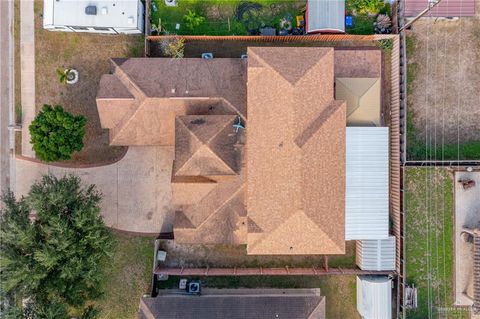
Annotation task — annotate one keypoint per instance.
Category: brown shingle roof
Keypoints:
(160, 89)
(296, 153)
(236, 304)
(205, 146)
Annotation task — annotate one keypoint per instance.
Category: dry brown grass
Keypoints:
(89, 54)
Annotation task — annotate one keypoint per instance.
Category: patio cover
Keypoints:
(367, 183)
(325, 16)
(363, 100)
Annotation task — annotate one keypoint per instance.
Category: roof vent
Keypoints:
(104, 11)
(91, 10)
(130, 20)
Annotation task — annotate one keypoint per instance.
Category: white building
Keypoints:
(374, 297)
(94, 16)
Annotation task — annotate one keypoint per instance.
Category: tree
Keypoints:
(54, 246)
(63, 75)
(193, 20)
(56, 134)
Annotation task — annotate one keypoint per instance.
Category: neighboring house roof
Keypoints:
(374, 297)
(143, 94)
(296, 153)
(446, 8)
(378, 255)
(367, 183)
(363, 100)
(325, 16)
(236, 304)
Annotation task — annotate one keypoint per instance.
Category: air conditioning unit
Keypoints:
(91, 10)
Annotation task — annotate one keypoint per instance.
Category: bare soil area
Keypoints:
(179, 255)
(89, 54)
(443, 95)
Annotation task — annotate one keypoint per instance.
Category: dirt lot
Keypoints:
(179, 255)
(89, 54)
(443, 96)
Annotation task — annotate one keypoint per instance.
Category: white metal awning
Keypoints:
(376, 254)
(367, 183)
(325, 16)
(374, 297)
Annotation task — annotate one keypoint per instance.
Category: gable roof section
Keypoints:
(236, 304)
(296, 138)
(205, 146)
(160, 89)
(363, 100)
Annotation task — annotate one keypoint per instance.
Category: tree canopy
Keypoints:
(54, 246)
(56, 134)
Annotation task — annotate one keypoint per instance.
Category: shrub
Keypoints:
(193, 20)
(173, 48)
(56, 134)
(366, 6)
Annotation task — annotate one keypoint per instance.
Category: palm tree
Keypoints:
(63, 75)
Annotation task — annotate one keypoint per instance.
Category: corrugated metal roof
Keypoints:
(374, 297)
(376, 255)
(367, 183)
(446, 8)
(325, 15)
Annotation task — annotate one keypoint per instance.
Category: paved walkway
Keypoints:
(136, 190)
(467, 213)
(27, 64)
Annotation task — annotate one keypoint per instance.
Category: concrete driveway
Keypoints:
(136, 190)
(467, 213)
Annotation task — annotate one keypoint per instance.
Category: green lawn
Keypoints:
(429, 216)
(339, 291)
(220, 15)
(128, 277)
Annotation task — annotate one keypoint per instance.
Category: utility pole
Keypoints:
(431, 4)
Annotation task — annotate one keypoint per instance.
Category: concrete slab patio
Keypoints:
(467, 213)
(136, 190)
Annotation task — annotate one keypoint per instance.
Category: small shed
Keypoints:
(363, 100)
(376, 254)
(325, 16)
(367, 183)
(374, 297)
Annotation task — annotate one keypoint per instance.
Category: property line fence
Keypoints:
(285, 271)
(259, 38)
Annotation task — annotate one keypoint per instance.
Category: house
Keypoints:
(235, 304)
(325, 16)
(266, 152)
(96, 16)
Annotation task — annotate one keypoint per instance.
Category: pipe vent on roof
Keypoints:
(91, 10)
(104, 11)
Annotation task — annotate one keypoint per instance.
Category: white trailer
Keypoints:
(94, 16)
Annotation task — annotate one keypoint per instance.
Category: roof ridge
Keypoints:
(124, 77)
(196, 139)
(205, 146)
(221, 206)
(318, 122)
(268, 66)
